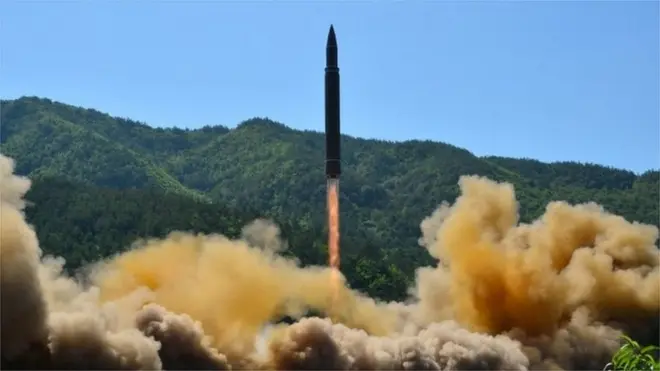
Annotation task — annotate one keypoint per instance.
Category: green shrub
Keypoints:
(631, 356)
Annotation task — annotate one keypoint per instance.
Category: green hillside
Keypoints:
(387, 188)
(84, 223)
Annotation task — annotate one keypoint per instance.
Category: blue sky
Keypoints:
(548, 80)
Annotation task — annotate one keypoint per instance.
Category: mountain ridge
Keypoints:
(387, 187)
(265, 120)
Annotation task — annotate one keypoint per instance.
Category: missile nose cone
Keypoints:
(332, 39)
(331, 49)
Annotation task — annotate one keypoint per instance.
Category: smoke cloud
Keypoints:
(553, 294)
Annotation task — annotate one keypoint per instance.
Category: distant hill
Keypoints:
(387, 188)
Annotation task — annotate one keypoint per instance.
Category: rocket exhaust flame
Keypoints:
(333, 235)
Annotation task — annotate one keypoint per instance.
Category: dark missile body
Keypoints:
(332, 133)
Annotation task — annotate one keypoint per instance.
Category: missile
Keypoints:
(332, 155)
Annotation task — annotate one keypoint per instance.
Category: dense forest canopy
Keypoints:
(155, 180)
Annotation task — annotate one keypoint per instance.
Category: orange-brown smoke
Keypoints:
(554, 294)
(333, 234)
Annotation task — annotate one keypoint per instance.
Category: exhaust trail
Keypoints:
(333, 235)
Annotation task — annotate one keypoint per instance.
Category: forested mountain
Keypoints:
(386, 188)
(84, 222)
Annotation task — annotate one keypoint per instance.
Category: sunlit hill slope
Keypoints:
(262, 167)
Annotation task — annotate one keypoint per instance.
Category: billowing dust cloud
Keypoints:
(554, 294)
